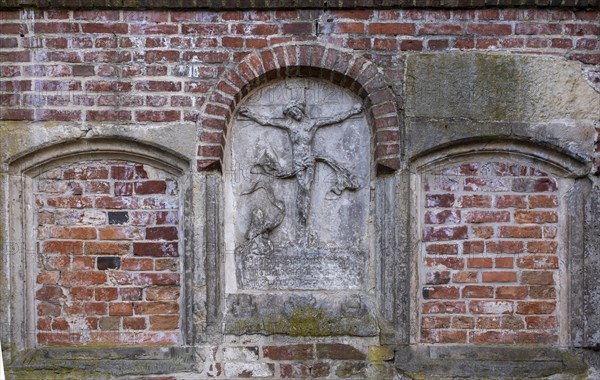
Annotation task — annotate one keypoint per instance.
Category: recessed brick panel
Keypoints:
(490, 255)
(94, 284)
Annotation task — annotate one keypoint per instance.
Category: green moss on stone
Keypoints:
(306, 322)
(379, 354)
(299, 322)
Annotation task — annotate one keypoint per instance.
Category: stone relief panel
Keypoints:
(297, 180)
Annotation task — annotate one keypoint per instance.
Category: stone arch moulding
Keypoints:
(91, 149)
(341, 67)
(564, 164)
(492, 169)
(19, 269)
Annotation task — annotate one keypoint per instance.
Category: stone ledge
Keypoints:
(283, 4)
(300, 315)
(494, 362)
(102, 362)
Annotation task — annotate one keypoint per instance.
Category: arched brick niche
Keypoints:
(341, 67)
(102, 258)
(497, 255)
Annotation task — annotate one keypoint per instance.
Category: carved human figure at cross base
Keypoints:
(261, 225)
(301, 130)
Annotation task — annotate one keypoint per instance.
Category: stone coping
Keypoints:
(416, 361)
(103, 361)
(497, 362)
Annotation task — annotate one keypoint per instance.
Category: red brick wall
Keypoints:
(286, 4)
(145, 67)
(108, 260)
(490, 255)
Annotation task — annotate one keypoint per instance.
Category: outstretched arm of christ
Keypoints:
(355, 110)
(261, 119)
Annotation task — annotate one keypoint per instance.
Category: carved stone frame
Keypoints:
(461, 360)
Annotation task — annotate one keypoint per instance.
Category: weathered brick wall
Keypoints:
(123, 66)
(108, 266)
(285, 4)
(490, 255)
(297, 361)
(108, 269)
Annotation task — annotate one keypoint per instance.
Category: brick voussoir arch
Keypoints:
(341, 67)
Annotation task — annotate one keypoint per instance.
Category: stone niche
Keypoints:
(100, 259)
(297, 217)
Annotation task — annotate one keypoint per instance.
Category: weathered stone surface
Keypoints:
(101, 363)
(592, 359)
(240, 354)
(465, 96)
(300, 315)
(298, 199)
(297, 213)
(591, 271)
(378, 354)
(298, 268)
(492, 362)
(496, 87)
(351, 369)
(393, 242)
(574, 138)
(207, 276)
(18, 138)
(248, 370)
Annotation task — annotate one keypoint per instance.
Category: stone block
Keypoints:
(497, 87)
(300, 315)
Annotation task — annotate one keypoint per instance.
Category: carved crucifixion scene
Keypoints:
(301, 130)
(299, 195)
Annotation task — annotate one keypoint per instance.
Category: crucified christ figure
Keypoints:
(301, 130)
